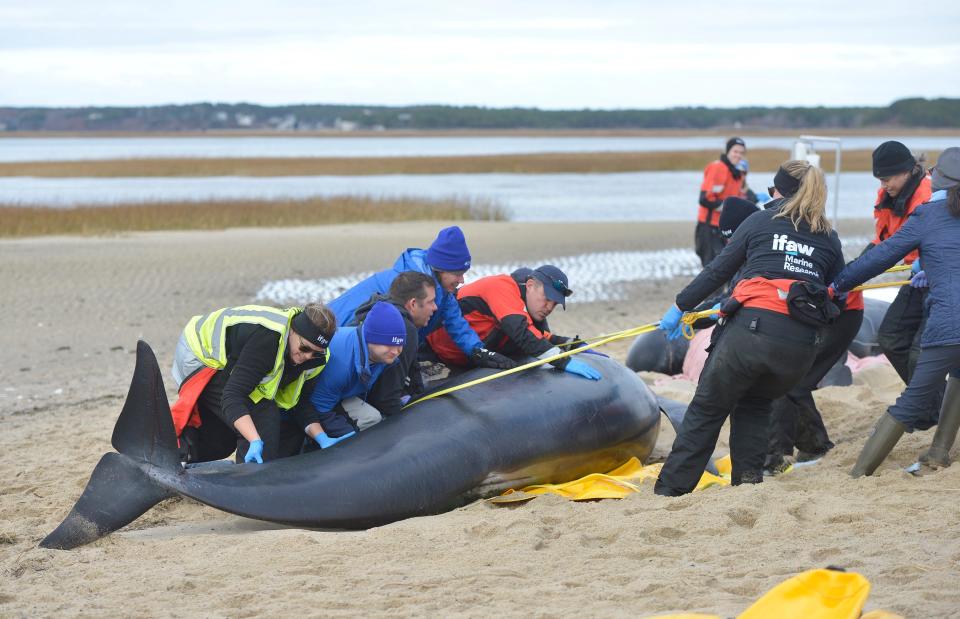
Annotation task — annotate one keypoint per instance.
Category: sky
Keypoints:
(554, 54)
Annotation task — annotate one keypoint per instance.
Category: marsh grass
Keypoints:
(761, 160)
(20, 221)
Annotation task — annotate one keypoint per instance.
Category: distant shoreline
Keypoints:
(717, 131)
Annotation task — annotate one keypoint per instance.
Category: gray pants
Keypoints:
(918, 407)
(364, 415)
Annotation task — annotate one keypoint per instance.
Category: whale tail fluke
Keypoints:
(120, 490)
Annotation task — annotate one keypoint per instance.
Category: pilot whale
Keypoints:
(538, 426)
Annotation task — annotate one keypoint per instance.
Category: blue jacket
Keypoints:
(448, 310)
(936, 233)
(348, 373)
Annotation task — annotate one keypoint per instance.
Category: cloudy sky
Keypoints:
(548, 54)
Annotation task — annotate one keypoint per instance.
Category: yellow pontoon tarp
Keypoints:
(617, 484)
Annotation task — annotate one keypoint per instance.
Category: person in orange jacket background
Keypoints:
(721, 179)
(904, 185)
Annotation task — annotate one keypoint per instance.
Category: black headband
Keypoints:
(785, 184)
(307, 330)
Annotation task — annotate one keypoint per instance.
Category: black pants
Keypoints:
(707, 242)
(794, 418)
(760, 356)
(900, 331)
(216, 438)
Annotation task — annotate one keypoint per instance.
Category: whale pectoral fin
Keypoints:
(118, 492)
(144, 430)
(675, 411)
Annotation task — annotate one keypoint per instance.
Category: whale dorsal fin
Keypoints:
(144, 430)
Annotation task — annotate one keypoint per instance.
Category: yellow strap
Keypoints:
(595, 338)
(617, 336)
(880, 285)
(689, 318)
(686, 327)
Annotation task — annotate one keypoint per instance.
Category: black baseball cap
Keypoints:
(556, 286)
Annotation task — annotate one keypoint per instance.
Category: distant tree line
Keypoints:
(928, 113)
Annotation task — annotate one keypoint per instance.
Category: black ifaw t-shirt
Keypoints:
(768, 247)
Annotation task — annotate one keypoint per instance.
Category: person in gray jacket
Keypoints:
(934, 229)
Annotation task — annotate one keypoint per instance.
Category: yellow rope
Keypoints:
(691, 317)
(898, 268)
(880, 285)
(595, 338)
(617, 336)
(686, 328)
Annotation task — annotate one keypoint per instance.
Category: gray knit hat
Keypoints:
(946, 174)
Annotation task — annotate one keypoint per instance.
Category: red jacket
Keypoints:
(718, 184)
(495, 309)
(887, 223)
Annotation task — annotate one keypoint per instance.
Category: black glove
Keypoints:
(579, 342)
(488, 359)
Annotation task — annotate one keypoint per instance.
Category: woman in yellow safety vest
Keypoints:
(236, 368)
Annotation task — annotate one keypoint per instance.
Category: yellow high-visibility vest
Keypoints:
(206, 336)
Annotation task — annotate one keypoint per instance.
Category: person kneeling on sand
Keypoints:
(509, 312)
(934, 229)
(413, 294)
(340, 402)
(446, 260)
(236, 368)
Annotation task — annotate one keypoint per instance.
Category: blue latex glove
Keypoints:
(581, 369)
(836, 295)
(716, 316)
(915, 267)
(671, 322)
(254, 452)
(919, 279)
(326, 441)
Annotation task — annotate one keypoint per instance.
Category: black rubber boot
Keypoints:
(938, 456)
(747, 477)
(775, 464)
(885, 435)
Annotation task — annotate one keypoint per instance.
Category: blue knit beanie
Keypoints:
(449, 251)
(384, 325)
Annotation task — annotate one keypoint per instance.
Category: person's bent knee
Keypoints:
(363, 415)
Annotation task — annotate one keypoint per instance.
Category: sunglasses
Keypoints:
(307, 349)
(560, 287)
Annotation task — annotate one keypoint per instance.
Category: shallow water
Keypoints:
(87, 148)
(634, 196)
(597, 276)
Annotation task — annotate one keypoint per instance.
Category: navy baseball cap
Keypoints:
(556, 286)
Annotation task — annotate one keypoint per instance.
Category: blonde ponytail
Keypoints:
(810, 201)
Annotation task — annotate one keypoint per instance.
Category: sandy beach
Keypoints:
(75, 307)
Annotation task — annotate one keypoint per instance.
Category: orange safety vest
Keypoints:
(184, 411)
(718, 184)
(854, 301)
(501, 296)
(762, 293)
